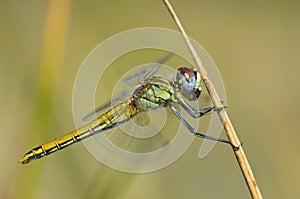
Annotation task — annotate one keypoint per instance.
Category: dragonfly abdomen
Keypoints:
(54, 145)
(118, 114)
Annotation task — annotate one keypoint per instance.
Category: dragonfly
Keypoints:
(153, 92)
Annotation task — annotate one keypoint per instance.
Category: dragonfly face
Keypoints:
(188, 81)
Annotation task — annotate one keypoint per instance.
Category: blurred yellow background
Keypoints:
(255, 44)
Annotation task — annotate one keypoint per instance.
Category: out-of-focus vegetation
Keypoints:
(255, 44)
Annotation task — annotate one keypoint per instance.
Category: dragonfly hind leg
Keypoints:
(193, 131)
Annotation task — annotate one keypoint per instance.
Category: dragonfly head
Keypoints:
(188, 81)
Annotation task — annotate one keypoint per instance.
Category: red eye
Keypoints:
(187, 73)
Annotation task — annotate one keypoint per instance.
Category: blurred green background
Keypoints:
(255, 44)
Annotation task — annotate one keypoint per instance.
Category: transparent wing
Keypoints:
(145, 132)
(141, 134)
(149, 71)
(141, 119)
(131, 80)
(109, 104)
(137, 134)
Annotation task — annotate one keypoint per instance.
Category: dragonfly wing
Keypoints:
(101, 108)
(140, 134)
(142, 119)
(149, 71)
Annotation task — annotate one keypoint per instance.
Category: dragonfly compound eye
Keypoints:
(187, 77)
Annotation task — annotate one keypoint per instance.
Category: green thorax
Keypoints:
(154, 93)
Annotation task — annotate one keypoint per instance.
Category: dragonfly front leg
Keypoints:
(194, 112)
(193, 131)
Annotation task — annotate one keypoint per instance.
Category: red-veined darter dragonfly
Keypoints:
(153, 92)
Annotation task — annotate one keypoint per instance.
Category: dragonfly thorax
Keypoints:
(153, 94)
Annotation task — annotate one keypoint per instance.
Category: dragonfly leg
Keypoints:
(199, 113)
(195, 113)
(196, 133)
(208, 110)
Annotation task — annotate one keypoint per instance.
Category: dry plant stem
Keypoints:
(239, 152)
